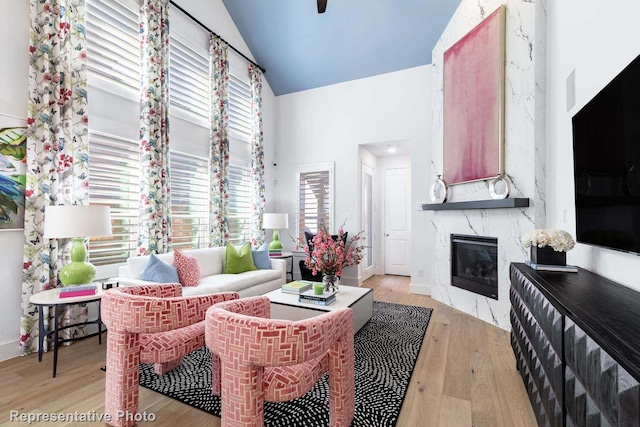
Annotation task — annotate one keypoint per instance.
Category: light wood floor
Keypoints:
(464, 376)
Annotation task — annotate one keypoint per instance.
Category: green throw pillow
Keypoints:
(239, 261)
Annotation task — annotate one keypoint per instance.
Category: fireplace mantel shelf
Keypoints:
(516, 202)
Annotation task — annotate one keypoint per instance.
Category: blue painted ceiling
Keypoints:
(353, 39)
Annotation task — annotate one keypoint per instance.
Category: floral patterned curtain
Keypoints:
(219, 142)
(154, 231)
(258, 200)
(57, 147)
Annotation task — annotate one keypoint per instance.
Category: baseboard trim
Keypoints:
(420, 289)
(9, 350)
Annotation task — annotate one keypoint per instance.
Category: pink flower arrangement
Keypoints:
(329, 255)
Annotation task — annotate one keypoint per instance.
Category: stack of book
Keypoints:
(277, 252)
(545, 267)
(78, 291)
(297, 287)
(309, 297)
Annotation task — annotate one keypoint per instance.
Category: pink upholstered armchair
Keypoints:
(148, 324)
(277, 360)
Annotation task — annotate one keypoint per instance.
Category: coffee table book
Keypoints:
(310, 297)
(297, 287)
(78, 291)
(326, 302)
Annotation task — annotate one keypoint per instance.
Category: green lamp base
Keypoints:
(77, 272)
(275, 245)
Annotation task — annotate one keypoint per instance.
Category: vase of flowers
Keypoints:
(331, 282)
(548, 246)
(328, 255)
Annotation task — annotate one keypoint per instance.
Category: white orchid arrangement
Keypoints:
(559, 240)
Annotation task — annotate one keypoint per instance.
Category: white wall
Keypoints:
(328, 124)
(596, 39)
(13, 102)
(14, 54)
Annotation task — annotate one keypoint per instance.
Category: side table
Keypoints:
(285, 256)
(51, 298)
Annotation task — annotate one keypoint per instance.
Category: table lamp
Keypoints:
(275, 221)
(77, 223)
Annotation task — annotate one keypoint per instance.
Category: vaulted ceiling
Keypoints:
(353, 39)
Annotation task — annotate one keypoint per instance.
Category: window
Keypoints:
(189, 80)
(114, 172)
(113, 69)
(189, 201)
(114, 82)
(189, 132)
(239, 106)
(239, 204)
(240, 179)
(315, 198)
(113, 46)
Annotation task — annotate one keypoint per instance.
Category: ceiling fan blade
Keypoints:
(322, 6)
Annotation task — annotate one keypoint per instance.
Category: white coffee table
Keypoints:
(360, 300)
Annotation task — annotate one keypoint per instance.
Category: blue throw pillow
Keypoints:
(159, 271)
(261, 258)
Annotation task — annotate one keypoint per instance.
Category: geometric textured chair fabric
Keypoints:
(263, 359)
(148, 324)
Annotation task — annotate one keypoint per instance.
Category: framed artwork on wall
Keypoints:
(473, 115)
(13, 148)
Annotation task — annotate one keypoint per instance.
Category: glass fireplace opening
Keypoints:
(474, 264)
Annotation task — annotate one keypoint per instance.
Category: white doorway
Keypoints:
(387, 222)
(396, 202)
(367, 210)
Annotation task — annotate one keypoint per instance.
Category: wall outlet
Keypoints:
(420, 273)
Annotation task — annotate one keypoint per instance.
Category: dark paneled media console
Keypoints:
(576, 339)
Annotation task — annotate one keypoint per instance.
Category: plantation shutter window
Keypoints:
(315, 198)
(240, 179)
(113, 45)
(189, 81)
(114, 173)
(189, 201)
(113, 73)
(239, 106)
(189, 132)
(239, 203)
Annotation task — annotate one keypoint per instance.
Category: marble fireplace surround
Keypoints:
(524, 156)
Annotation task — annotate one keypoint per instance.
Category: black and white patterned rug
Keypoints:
(386, 349)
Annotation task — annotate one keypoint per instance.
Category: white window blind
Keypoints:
(315, 192)
(240, 182)
(114, 182)
(189, 201)
(189, 80)
(113, 65)
(113, 46)
(239, 107)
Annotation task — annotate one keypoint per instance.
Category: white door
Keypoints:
(397, 221)
(367, 264)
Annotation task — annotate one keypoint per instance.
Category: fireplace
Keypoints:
(474, 264)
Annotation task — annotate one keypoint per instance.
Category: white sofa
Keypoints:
(212, 279)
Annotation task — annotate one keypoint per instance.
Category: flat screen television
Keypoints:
(606, 151)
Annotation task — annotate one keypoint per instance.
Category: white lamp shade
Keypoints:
(64, 222)
(275, 221)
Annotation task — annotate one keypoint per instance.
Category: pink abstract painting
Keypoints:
(473, 103)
